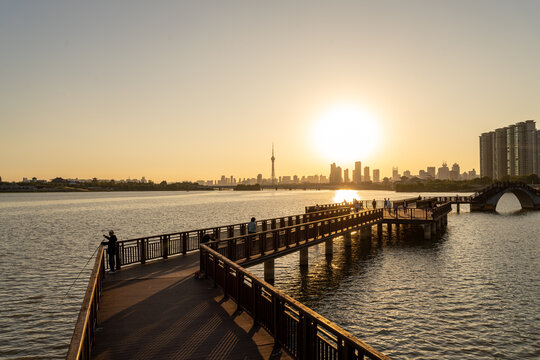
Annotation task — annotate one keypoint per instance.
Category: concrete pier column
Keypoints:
(269, 272)
(389, 229)
(427, 231)
(433, 229)
(304, 257)
(365, 233)
(347, 239)
(329, 247)
(438, 225)
(458, 208)
(379, 230)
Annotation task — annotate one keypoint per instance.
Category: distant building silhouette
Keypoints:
(376, 175)
(443, 173)
(335, 174)
(367, 177)
(357, 172)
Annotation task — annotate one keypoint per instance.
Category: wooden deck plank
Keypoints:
(160, 311)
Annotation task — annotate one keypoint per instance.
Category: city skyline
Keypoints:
(183, 91)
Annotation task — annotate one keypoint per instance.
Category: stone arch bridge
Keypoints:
(487, 198)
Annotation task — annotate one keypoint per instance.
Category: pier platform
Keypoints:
(160, 311)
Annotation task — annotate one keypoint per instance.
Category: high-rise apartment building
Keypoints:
(346, 176)
(335, 174)
(395, 174)
(443, 173)
(357, 172)
(512, 150)
(431, 171)
(366, 174)
(376, 175)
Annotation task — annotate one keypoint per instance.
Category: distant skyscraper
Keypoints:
(335, 174)
(443, 172)
(454, 174)
(376, 175)
(512, 150)
(273, 171)
(346, 176)
(367, 177)
(395, 174)
(357, 172)
(431, 171)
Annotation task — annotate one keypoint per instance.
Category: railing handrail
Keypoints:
(262, 233)
(340, 333)
(223, 227)
(83, 334)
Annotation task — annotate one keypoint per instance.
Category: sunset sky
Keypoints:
(187, 90)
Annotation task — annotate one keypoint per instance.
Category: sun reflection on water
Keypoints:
(346, 195)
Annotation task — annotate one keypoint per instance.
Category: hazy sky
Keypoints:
(187, 90)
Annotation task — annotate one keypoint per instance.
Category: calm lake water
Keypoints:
(474, 293)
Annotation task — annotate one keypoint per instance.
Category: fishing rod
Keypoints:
(77, 278)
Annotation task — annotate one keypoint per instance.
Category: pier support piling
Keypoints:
(427, 231)
(329, 247)
(347, 240)
(304, 257)
(269, 271)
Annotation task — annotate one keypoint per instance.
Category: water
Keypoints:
(474, 293)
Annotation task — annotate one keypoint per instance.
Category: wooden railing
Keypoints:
(140, 250)
(441, 210)
(85, 328)
(246, 247)
(300, 330)
(316, 208)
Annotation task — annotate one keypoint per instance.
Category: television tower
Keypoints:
(273, 171)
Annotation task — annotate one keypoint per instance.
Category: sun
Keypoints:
(346, 134)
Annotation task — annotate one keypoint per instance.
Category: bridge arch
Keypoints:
(487, 200)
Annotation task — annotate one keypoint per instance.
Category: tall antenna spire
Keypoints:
(273, 171)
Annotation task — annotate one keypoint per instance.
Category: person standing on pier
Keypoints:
(252, 226)
(374, 203)
(111, 250)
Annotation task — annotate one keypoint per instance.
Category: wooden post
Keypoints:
(248, 246)
(165, 244)
(117, 262)
(143, 251)
(262, 243)
(184, 243)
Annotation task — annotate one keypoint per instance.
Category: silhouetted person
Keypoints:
(205, 238)
(252, 226)
(111, 250)
(374, 203)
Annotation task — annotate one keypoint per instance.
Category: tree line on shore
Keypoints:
(405, 185)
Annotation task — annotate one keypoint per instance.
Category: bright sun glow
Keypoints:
(346, 134)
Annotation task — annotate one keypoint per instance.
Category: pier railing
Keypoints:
(316, 208)
(85, 328)
(250, 246)
(300, 330)
(140, 250)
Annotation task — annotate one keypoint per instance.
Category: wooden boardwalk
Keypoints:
(160, 311)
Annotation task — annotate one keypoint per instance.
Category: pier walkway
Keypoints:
(160, 311)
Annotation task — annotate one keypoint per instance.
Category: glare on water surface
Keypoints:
(346, 195)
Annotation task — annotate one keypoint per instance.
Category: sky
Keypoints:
(188, 90)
